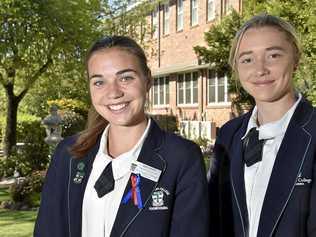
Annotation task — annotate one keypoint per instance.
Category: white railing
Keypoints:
(196, 129)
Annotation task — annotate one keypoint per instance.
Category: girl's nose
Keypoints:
(114, 91)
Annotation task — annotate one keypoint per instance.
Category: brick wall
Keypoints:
(173, 53)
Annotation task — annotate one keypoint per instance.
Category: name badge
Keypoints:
(145, 171)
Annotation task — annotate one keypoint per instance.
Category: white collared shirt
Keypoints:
(98, 214)
(258, 175)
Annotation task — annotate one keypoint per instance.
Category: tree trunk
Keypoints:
(10, 131)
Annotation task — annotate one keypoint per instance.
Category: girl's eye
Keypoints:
(98, 83)
(126, 78)
(245, 60)
(275, 55)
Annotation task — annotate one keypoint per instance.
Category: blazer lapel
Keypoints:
(288, 163)
(127, 213)
(80, 170)
(237, 176)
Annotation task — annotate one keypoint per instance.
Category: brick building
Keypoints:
(182, 85)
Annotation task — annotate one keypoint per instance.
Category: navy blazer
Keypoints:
(181, 211)
(289, 207)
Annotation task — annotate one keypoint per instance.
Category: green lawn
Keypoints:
(15, 223)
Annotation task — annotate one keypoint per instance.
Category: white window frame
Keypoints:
(194, 12)
(210, 12)
(166, 17)
(226, 94)
(191, 103)
(166, 92)
(180, 16)
(155, 22)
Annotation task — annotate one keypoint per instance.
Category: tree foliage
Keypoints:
(40, 38)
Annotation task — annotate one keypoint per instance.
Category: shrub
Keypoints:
(72, 123)
(31, 156)
(2, 127)
(24, 189)
(207, 150)
(73, 105)
(73, 113)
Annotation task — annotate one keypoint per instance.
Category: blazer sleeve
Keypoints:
(221, 212)
(311, 225)
(51, 219)
(190, 217)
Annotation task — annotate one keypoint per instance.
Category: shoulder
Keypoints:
(181, 153)
(176, 142)
(62, 151)
(305, 116)
(228, 130)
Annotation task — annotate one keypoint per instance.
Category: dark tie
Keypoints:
(105, 182)
(252, 147)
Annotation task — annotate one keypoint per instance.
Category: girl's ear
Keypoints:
(149, 83)
(295, 67)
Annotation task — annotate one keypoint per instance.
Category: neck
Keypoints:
(121, 139)
(273, 111)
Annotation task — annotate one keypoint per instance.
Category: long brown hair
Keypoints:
(96, 123)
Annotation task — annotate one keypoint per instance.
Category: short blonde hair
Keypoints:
(263, 20)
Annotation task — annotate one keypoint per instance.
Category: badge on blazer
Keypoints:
(159, 199)
(80, 174)
(301, 181)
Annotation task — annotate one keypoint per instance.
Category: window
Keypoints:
(227, 6)
(217, 88)
(187, 88)
(155, 23)
(210, 10)
(179, 15)
(166, 19)
(194, 12)
(161, 91)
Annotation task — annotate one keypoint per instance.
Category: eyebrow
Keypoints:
(117, 73)
(126, 70)
(267, 49)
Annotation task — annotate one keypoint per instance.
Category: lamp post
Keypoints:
(53, 129)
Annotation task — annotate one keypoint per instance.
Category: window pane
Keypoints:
(166, 19)
(221, 89)
(211, 87)
(180, 89)
(188, 88)
(161, 92)
(167, 89)
(155, 23)
(210, 10)
(155, 97)
(180, 15)
(195, 87)
(194, 12)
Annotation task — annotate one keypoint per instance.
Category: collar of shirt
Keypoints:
(121, 165)
(273, 129)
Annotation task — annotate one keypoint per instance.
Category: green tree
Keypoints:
(40, 38)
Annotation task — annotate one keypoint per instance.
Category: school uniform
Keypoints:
(175, 205)
(288, 205)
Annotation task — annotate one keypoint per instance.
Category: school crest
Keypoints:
(159, 199)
